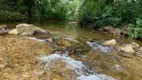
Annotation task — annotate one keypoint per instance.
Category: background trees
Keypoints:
(98, 13)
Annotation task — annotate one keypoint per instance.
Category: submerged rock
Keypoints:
(2, 65)
(126, 55)
(120, 69)
(110, 42)
(29, 30)
(18, 57)
(68, 68)
(139, 54)
(63, 42)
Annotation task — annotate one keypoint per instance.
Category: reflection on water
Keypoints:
(73, 30)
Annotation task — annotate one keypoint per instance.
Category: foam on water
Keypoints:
(74, 65)
(95, 77)
(96, 46)
(70, 63)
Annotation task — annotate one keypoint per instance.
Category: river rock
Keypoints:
(2, 65)
(29, 30)
(63, 42)
(3, 29)
(117, 31)
(128, 48)
(135, 45)
(139, 54)
(49, 40)
(126, 55)
(124, 33)
(108, 28)
(112, 30)
(13, 32)
(110, 42)
(140, 49)
(119, 68)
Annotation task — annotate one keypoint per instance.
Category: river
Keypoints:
(91, 65)
(71, 29)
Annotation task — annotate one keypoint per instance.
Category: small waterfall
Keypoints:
(74, 65)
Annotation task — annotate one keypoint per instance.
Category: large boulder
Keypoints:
(29, 30)
(3, 29)
(110, 42)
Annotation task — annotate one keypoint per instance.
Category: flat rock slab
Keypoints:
(18, 57)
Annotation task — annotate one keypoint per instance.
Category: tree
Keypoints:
(30, 4)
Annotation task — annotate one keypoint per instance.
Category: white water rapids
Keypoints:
(74, 65)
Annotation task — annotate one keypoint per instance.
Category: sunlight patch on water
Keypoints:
(33, 38)
(74, 65)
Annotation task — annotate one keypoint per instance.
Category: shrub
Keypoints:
(135, 30)
(99, 13)
(11, 16)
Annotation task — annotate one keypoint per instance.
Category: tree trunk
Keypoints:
(29, 13)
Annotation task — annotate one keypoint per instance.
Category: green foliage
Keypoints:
(42, 9)
(98, 13)
(58, 9)
(115, 12)
(10, 11)
(135, 30)
(11, 16)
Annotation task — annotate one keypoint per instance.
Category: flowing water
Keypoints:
(71, 29)
(73, 32)
(74, 65)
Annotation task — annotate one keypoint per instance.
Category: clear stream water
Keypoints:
(74, 65)
(69, 29)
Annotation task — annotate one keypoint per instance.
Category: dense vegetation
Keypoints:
(98, 13)
(37, 9)
(116, 13)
